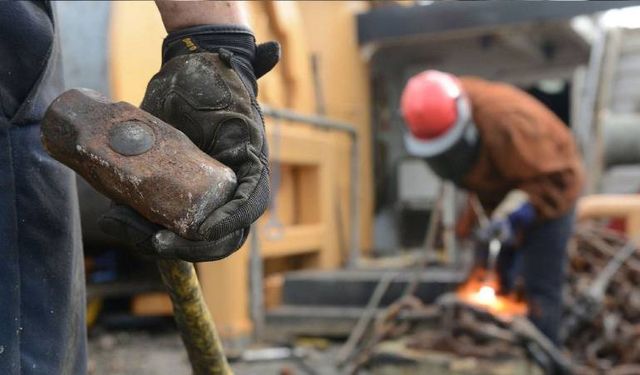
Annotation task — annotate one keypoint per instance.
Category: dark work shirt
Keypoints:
(26, 39)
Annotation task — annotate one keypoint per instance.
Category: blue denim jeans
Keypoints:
(540, 261)
(544, 259)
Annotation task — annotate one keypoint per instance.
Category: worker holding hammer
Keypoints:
(206, 87)
(520, 161)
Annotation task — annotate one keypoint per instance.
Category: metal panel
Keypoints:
(626, 82)
(417, 184)
(399, 22)
(83, 27)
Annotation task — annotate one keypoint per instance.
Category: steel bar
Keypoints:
(347, 350)
(256, 287)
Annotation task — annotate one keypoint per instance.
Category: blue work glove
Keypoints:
(499, 229)
(507, 229)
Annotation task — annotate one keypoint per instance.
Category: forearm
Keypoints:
(178, 15)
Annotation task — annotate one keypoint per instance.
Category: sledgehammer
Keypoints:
(136, 159)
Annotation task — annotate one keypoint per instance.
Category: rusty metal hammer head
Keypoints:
(137, 159)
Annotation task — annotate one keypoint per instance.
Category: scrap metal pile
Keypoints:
(601, 324)
(454, 325)
(608, 342)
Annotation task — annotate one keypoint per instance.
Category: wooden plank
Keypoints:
(287, 23)
(298, 239)
(607, 205)
(612, 206)
(329, 256)
(345, 81)
(285, 204)
(299, 145)
(633, 225)
(225, 286)
(273, 290)
(307, 197)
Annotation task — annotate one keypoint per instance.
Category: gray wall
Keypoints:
(83, 32)
(83, 29)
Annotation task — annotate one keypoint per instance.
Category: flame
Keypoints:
(486, 295)
(480, 290)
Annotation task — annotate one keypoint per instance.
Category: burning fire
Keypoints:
(486, 295)
(480, 290)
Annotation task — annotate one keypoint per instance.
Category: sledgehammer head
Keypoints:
(136, 159)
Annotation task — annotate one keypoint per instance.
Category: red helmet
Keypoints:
(441, 130)
(429, 104)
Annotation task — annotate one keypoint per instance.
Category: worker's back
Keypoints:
(523, 145)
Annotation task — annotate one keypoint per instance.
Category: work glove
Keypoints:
(500, 229)
(512, 216)
(207, 88)
(506, 229)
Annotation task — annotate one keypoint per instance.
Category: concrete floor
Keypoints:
(144, 353)
(140, 353)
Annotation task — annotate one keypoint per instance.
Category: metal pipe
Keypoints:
(327, 124)
(449, 222)
(597, 93)
(317, 84)
(584, 130)
(347, 350)
(256, 274)
(621, 138)
(317, 121)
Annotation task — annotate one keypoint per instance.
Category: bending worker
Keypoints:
(521, 162)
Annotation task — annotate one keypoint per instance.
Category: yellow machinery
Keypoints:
(321, 73)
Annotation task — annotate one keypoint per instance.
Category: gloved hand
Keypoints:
(500, 229)
(505, 229)
(207, 88)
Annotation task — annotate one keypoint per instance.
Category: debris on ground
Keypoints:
(608, 342)
(162, 353)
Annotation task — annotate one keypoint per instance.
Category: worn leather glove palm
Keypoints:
(207, 89)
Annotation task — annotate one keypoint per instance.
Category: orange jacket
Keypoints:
(523, 146)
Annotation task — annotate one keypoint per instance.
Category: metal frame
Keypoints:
(594, 101)
(255, 261)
